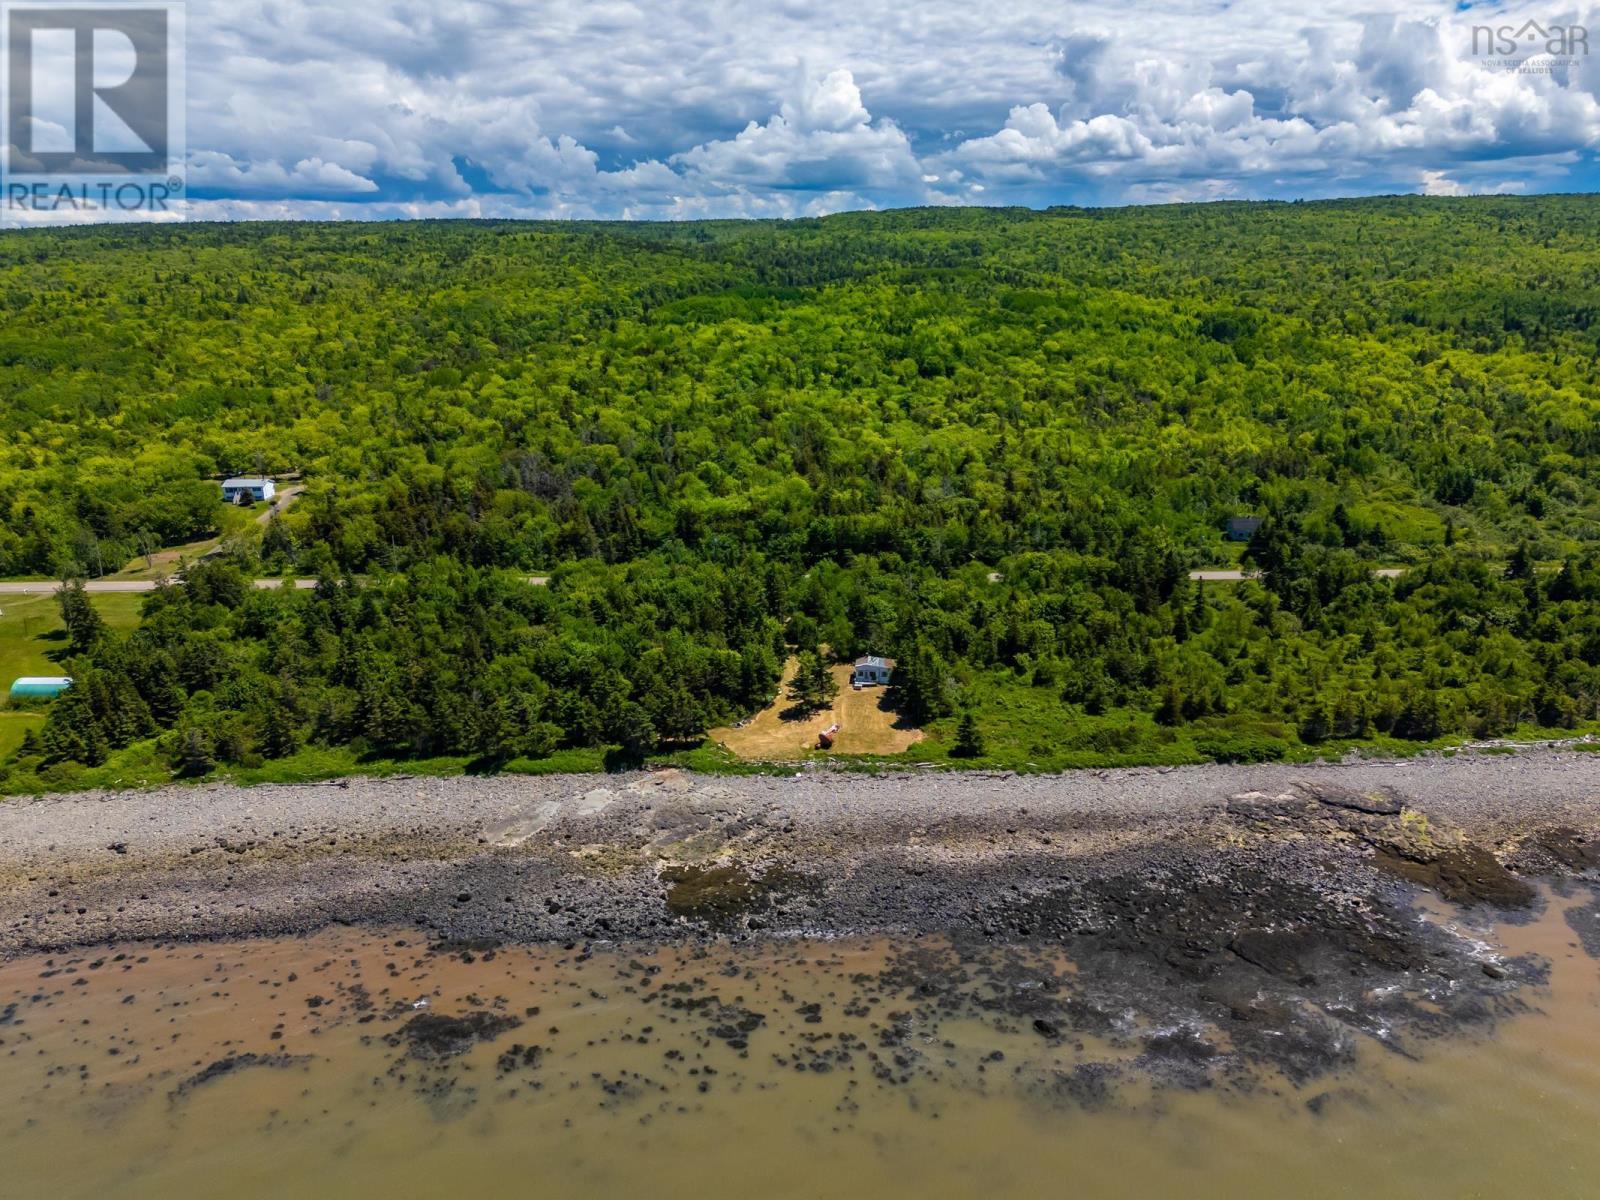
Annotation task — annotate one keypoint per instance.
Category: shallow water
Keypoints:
(792, 1069)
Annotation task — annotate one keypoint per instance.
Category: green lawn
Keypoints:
(13, 725)
(31, 636)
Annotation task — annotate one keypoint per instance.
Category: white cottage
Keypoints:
(870, 669)
(247, 491)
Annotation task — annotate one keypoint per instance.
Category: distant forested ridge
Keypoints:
(991, 443)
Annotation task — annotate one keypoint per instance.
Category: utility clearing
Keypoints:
(866, 725)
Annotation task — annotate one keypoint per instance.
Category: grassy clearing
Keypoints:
(14, 725)
(31, 643)
(32, 639)
(1406, 523)
(777, 733)
(1228, 556)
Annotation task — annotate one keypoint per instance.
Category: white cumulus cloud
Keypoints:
(749, 107)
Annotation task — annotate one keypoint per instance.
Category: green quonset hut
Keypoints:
(40, 687)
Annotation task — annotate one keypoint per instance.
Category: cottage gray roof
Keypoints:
(872, 660)
(244, 481)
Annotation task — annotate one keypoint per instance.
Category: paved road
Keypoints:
(44, 586)
(1236, 576)
(35, 587)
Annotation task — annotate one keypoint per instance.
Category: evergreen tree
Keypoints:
(280, 736)
(195, 754)
(1180, 617)
(85, 629)
(633, 733)
(1351, 717)
(919, 684)
(758, 670)
(71, 732)
(1421, 719)
(1521, 564)
(1566, 585)
(120, 711)
(813, 687)
(1553, 710)
(969, 738)
(1317, 724)
(1170, 710)
(676, 714)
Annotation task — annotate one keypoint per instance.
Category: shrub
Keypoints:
(1242, 748)
(1108, 739)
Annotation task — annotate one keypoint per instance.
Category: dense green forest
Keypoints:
(991, 443)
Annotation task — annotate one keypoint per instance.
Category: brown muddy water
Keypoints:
(360, 1064)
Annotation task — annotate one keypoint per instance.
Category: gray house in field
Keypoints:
(246, 490)
(870, 669)
(1241, 529)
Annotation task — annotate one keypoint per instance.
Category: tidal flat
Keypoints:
(1359, 977)
(355, 1062)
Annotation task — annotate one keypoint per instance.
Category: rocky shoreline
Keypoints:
(666, 854)
(1273, 908)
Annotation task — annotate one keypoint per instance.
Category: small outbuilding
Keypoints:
(1241, 529)
(871, 669)
(40, 687)
(246, 490)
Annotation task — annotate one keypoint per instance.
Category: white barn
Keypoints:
(245, 490)
(870, 669)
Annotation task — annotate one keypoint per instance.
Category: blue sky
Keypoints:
(396, 108)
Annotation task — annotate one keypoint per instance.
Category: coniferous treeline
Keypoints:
(448, 659)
